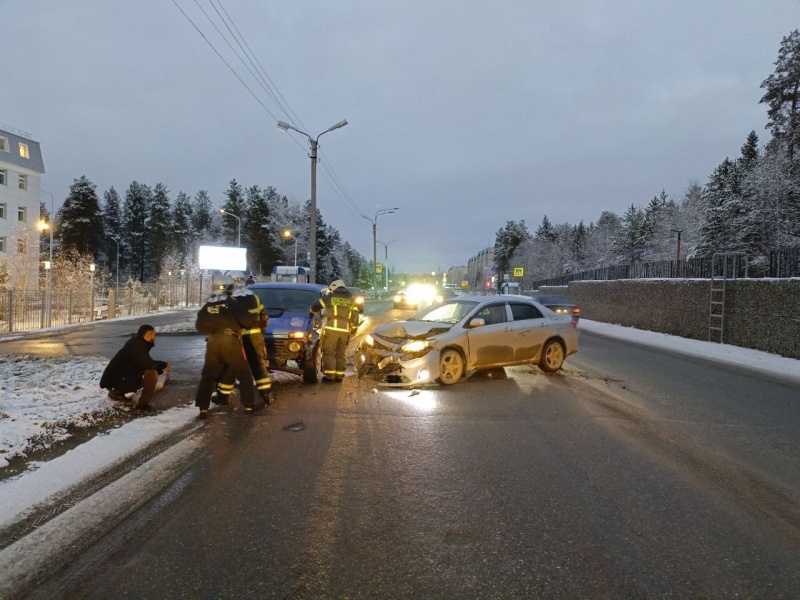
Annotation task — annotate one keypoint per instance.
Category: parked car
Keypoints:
(468, 333)
(561, 306)
(293, 337)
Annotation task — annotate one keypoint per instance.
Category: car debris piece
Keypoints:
(299, 426)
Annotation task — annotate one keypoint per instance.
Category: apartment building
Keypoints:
(21, 170)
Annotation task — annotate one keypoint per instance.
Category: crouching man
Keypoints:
(133, 369)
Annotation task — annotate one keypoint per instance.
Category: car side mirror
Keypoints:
(477, 322)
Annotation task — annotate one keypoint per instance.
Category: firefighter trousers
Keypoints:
(225, 363)
(334, 344)
(256, 351)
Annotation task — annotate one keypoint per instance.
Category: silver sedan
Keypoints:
(469, 333)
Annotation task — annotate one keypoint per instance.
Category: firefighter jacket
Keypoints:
(223, 314)
(255, 308)
(340, 311)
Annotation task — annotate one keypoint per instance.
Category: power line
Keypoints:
(226, 62)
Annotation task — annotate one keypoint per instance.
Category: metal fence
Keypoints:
(778, 264)
(28, 310)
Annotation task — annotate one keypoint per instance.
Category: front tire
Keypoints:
(552, 356)
(451, 367)
(312, 369)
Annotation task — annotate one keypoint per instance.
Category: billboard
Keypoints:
(222, 258)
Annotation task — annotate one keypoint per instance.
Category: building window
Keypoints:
(22, 247)
(22, 214)
(2, 211)
(23, 182)
(4, 143)
(23, 150)
(2, 244)
(3, 176)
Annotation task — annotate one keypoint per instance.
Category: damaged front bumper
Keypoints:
(393, 368)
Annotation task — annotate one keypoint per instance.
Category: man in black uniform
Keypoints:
(132, 369)
(342, 318)
(253, 342)
(224, 318)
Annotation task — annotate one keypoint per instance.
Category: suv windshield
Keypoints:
(275, 299)
(450, 312)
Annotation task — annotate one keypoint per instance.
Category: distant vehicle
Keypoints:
(561, 306)
(292, 336)
(401, 299)
(290, 274)
(358, 296)
(442, 343)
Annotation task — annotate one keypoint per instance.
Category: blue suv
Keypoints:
(292, 336)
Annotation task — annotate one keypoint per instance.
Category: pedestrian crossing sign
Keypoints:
(519, 272)
(378, 268)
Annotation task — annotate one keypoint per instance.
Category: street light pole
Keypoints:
(287, 234)
(678, 253)
(386, 260)
(238, 226)
(383, 211)
(314, 145)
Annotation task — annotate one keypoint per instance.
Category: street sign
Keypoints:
(465, 284)
(378, 268)
(519, 272)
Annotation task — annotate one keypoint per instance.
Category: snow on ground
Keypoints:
(39, 397)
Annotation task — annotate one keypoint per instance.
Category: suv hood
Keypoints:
(286, 322)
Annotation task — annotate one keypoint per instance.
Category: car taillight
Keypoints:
(576, 311)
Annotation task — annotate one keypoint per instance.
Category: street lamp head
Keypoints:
(92, 267)
(284, 125)
(222, 210)
(339, 125)
(287, 233)
(43, 225)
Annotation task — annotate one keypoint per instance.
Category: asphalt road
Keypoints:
(631, 474)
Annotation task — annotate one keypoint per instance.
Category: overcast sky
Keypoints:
(463, 114)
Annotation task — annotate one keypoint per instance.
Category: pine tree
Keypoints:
(233, 221)
(80, 219)
(783, 94)
(182, 230)
(628, 243)
(545, 231)
(159, 228)
(135, 214)
(202, 217)
(507, 240)
(259, 230)
(114, 240)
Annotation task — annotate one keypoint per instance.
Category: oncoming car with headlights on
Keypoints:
(468, 333)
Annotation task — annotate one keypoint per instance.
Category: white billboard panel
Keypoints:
(222, 258)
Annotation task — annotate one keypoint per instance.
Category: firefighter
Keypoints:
(253, 340)
(223, 318)
(342, 319)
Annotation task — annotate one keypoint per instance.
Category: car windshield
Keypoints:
(449, 312)
(290, 300)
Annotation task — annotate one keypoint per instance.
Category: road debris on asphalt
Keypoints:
(299, 426)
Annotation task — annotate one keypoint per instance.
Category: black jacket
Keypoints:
(126, 369)
(221, 313)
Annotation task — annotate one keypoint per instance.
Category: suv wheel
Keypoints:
(312, 369)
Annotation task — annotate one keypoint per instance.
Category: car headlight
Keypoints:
(416, 346)
(297, 335)
(398, 299)
(369, 340)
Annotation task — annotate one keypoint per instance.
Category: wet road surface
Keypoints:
(627, 475)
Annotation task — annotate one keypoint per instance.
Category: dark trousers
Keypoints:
(256, 351)
(131, 382)
(224, 363)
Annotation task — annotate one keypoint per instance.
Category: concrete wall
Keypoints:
(763, 314)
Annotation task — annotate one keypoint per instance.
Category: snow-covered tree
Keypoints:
(80, 219)
(782, 94)
(160, 240)
(136, 212)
